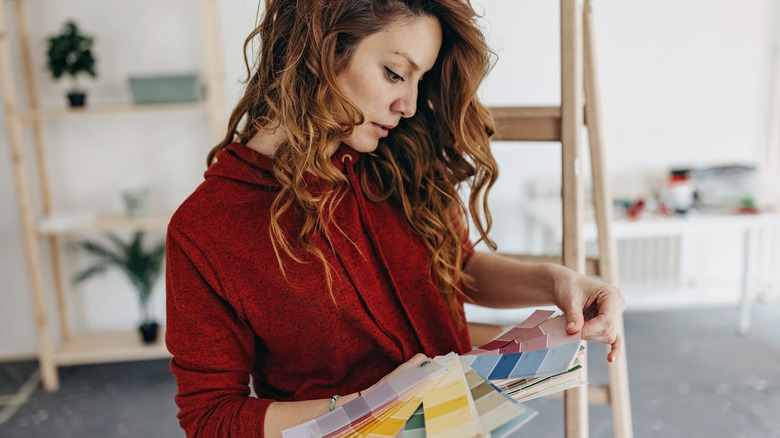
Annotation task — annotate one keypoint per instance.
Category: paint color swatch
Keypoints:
(415, 427)
(391, 423)
(352, 416)
(467, 396)
(536, 318)
(538, 363)
(449, 409)
(494, 408)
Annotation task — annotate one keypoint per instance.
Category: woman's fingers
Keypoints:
(617, 348)
(605, 329)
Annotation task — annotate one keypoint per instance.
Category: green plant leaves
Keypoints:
(70, 52)
(141, 266)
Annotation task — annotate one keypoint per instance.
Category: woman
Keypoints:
(327, 247)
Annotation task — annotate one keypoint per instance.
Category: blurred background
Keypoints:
(690, 99)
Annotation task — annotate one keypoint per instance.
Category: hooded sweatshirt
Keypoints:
(233, 313)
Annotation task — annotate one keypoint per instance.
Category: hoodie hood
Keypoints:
(240, 163)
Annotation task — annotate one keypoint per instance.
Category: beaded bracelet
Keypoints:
(333, 401)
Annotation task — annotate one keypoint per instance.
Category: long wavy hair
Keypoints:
(420, 166)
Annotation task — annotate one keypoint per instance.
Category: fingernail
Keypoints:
(569, 325)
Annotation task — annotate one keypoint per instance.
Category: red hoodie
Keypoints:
(231, 313)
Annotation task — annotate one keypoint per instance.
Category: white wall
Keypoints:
(681, 82)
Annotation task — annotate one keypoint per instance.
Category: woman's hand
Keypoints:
(592, 308)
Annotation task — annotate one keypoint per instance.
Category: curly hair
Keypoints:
(420, 166)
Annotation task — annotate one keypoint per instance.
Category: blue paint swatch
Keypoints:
(505, 366)
(469, 359)
(559, 358)
(484, 364)
(528, 365)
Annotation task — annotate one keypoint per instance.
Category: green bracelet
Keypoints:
(333, 402)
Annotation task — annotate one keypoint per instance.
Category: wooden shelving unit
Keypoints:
(41, 114)
(101, 222)
(50, 226)
(108, 347)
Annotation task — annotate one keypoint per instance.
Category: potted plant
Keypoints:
(142, 267)
(70, 53)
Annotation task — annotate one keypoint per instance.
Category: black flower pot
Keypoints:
(77, 99)
(149, 332)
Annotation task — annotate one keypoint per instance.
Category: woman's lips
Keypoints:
(381, 130)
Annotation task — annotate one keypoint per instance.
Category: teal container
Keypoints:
(166, 89)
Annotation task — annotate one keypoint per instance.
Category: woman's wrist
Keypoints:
(341, 400)
(558, 277)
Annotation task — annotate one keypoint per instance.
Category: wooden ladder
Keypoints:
(563, 124)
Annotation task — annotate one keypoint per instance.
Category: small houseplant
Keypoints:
(70, 53)
(141, 266)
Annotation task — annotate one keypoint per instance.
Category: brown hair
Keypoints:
(423, 162)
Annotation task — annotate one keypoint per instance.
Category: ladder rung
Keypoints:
(598, 394)
(527, 123)
(591, 264)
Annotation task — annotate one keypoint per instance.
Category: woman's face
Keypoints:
(383, 75)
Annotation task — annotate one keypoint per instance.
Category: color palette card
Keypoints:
(457, 393)
(539, 363)
(527, 389)
(391, 423)
(537, 332)
(495, 408)
(371, 406)
(508, 337)
(415, 427)
(449, 409)
(500, 414)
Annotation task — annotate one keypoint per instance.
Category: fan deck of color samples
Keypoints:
(474, 395)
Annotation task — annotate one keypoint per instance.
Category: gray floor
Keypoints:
(691, 376)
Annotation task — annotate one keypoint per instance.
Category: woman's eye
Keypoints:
(393, 76)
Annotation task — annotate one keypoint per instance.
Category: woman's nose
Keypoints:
(406, 103)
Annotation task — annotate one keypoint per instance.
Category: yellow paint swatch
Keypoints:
(449, 409)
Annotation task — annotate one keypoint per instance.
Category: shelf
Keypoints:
(64, 224)
(110, 347)
(28, 132)
(99, 110)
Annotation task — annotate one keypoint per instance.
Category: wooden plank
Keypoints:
(105, 222)
(618, 390)
(24, 198)
(572, 185)
(597, 394)
(215, 89)
(619, 396)
(110, 347)
(44, 180)
(576, 399)
(602, 199)
(117, 109)
(59, 287)
(527, 123)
